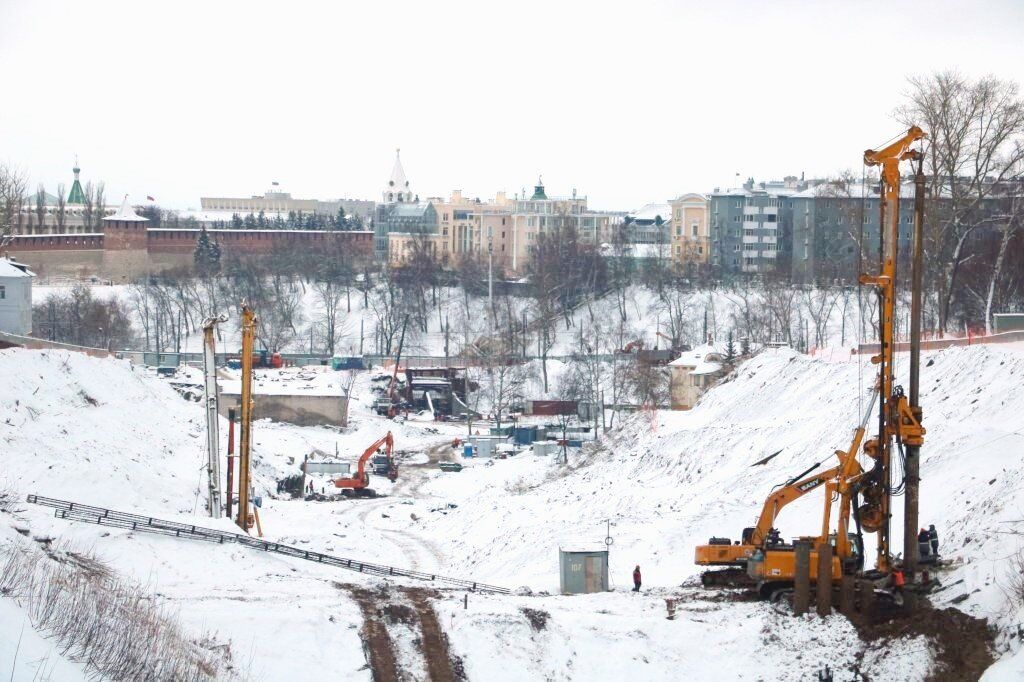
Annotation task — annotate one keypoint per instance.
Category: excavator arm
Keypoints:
(780, 498)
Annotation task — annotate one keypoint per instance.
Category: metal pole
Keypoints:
(213, 503)
(801, 577)
(913, 464)
(231, 458)
(245, 436)
(490, 278)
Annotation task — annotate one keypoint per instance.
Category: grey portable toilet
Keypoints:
(582, 570)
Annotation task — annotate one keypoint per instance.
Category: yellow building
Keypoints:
(466, 227)
(690, 237)
(541, 214)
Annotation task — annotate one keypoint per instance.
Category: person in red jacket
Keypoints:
(636, 579)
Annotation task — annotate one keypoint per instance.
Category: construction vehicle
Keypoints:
(863, 495)
(392, 401)
(359, 484)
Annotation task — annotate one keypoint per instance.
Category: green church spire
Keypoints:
(76, 195)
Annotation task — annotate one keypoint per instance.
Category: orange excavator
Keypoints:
(359, 485)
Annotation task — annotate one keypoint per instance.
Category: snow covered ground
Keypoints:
(103, 433)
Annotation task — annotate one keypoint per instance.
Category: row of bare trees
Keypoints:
(974, 165)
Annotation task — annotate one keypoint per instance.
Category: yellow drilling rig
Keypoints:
(864, 494)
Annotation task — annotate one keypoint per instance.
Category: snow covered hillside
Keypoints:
(99, 432)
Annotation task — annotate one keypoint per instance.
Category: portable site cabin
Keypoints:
(15, 298)
(485, 445)
(583, 569)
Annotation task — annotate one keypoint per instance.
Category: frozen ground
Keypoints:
(98, 432)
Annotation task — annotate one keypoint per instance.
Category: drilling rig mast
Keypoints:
(245, 421)
(897, 419)
(213, 502)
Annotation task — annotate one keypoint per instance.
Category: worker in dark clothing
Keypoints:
(636, 579)
(933, 538)
(922, 543)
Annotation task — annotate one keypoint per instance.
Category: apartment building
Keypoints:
(751, 227)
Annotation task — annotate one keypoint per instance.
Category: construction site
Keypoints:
(809, 518)
(843, 505)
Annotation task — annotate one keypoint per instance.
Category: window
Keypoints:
(3, 292)
(700, 250)
(694, 229)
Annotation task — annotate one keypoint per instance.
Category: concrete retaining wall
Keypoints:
(302, 410)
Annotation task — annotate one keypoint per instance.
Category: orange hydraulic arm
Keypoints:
(780, 498)
(895, 418)
(361, 480)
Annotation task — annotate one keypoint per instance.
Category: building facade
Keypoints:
(751, 229)
(275, 203)
(541, 214)
(835, 226)
(469, 228)
(691, 242)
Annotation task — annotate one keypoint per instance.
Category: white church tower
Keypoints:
(397, 191)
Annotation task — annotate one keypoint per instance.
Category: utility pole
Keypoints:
(212, 417)
(490, 279)
(913, 463)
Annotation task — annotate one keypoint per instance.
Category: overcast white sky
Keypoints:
(629, 101)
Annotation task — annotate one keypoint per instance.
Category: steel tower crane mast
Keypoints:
(896, 418)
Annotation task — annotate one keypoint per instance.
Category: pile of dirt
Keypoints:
(963, 643)
(538, 619)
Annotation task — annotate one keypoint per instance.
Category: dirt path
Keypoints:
(441, 666)
(408, 607)
(377, 644)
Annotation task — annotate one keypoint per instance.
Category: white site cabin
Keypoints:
(15, 297)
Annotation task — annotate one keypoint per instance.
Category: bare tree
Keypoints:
(780, 298)
(99, 203)
(13, 187)
(41, 207)
(62, 207)
(976, 152)
(1010, 229)
(88, 206)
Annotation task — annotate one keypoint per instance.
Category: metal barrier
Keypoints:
(74, 511)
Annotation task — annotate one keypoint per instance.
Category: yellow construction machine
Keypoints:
(762, 557)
